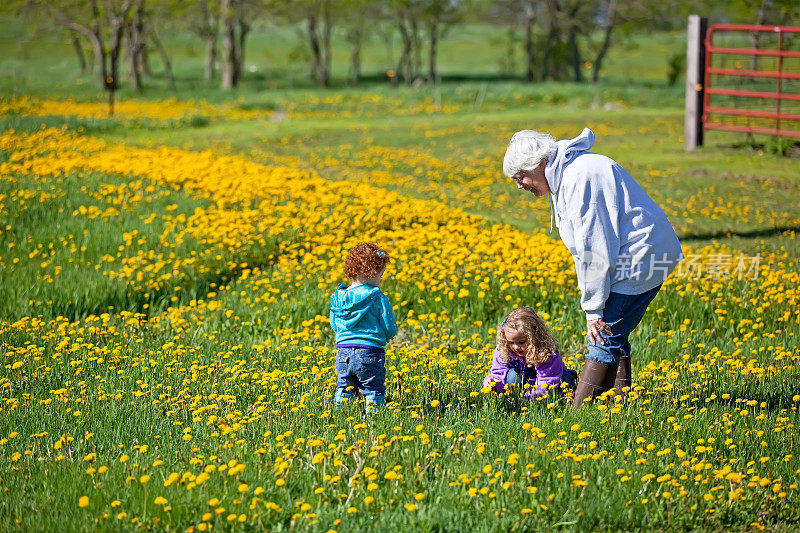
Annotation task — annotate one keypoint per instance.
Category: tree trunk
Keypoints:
(228, 45)
(572, 42)
(113, 70)
(211, 54)
(118, 25)
(529, 18)
(386, 35)
(94, 33)
(761, 18)
(509, 62)
(99, 46)
(144, 60)
(417, 59)
(244, 29)
(133, 52)
(141, 61)
(100, 59)
(404, 66)
(326, 43)
(165, 58)
(552, 37)
(609, 27)
(316, 53)
(133, 31)
(76, 44)
(432, 51)
(575, 53)
(355, 55)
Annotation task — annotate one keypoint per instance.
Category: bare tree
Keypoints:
(135, 36)
(78, 47)
(608, 27)
(355, 36)
(203, 18)
(230, 67)
(237, 17)
(320, 24)
(614, 15)
(439, 15)
(164, 58)
(243, 26)
(553, 36)
(102, 24)
(407, 15)
(353, 16)
(529, 9)
(511, 16)
(574, 28)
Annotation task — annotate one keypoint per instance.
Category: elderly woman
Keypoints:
(621, 241)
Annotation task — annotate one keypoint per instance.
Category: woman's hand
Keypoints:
(594, 328)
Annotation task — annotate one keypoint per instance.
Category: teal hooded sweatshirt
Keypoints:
(361, 315)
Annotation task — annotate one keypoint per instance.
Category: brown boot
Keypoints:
(623, 379)
(596, 378)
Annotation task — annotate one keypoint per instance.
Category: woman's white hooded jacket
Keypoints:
(620, 240)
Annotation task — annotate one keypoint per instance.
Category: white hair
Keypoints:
(526, 149)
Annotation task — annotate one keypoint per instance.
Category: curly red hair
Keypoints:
(365, 261)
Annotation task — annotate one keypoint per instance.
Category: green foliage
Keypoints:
(676, 67)
(779, 145)
(199, 121)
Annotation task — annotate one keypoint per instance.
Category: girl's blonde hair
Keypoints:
(541, 344)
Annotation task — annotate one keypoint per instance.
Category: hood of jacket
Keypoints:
(566, 151)
(350, 305)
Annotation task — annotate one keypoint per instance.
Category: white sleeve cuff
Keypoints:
(594, 315)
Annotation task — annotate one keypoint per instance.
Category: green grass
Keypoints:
(133, 363)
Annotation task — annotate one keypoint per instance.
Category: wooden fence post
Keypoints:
(696, 29)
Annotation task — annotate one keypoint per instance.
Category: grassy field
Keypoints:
(167, 361)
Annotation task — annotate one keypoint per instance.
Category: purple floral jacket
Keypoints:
(542, 377)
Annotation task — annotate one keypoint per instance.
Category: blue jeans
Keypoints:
(362, 369)
(570, 377)
(513, 377)
(622, 313)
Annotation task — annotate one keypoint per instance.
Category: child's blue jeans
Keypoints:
(622, 313)
(362, 369)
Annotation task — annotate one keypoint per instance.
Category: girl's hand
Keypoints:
(594, 328)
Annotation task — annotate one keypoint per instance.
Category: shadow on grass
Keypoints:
(765, 232)
(100, 125)
(154, 302)
(381, 77)
(114, 297)
(772, 402)
(512, 402)
(32, 124)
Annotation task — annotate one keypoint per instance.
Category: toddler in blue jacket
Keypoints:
(361, 316)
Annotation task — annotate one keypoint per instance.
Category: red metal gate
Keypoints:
(752, 79)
